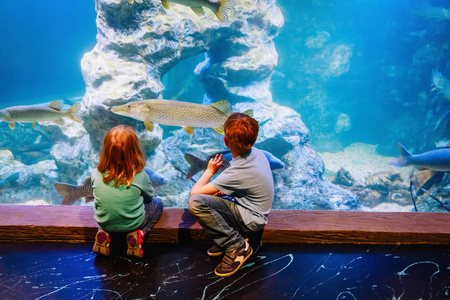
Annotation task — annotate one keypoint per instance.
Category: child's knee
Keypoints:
(194, 203)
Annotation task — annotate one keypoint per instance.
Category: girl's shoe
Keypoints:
(102, 241)
(135, 240)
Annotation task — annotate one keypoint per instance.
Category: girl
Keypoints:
(123, 192)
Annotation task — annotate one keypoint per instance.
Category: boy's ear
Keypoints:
(225, 140)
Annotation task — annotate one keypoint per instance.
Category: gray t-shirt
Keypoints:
(249, 182)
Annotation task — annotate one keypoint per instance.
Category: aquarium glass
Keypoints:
(352, 97)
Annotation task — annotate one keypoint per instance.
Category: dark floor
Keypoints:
(174, 271)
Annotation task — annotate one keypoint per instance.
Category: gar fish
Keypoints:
(9, 181)
(198, 164)
(38, 113)
(177, 113)
(436, 160)
(218, 7)
(72, 193)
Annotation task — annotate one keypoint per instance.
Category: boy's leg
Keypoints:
(220, 218)
(135, 239)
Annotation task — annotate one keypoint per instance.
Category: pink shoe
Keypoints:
(102, 241)
(135, 240)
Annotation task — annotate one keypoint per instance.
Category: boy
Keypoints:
(248, 190)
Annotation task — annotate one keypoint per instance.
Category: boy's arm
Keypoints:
(202, 186)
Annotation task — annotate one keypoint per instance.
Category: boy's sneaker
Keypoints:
(102, 241)
(232, 261)
(135, 240)
(214, 251)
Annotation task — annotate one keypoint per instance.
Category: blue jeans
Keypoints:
(220, 218)
(153, 211)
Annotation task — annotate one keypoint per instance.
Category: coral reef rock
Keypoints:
(138, 43)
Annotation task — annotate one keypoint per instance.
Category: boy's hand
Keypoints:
(215, 163)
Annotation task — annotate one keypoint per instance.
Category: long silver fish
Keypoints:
(436, 160)
(39, 113)
(218, 7)
(199, 164)
(177, 113)
(72, 193)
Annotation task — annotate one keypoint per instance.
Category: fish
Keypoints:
(433, 12)
(72, 193)
(197, 164)
(132, 1)
(177, 113)
(440, 83)
(39, 113)
(218, 7)
(9, 181)
(436, 160)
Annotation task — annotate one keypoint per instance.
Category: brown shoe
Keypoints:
(214, 251)
(102, 241)
(135, 240)
(233, 261)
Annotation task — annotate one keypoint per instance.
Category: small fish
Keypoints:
(72, 193)
(9, 181)
(198, 164)
(218, 7)
(436, 160)
(177, 113)
(38, 113)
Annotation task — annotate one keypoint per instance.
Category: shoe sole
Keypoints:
(214, 254)
(102, 241)
(135, 239)
(237, 268)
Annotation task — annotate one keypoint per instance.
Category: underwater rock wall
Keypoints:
(138, 43)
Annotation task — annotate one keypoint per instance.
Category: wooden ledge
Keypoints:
(76, 224)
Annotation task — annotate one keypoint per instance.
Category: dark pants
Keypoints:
(221, 219)
(153, 211)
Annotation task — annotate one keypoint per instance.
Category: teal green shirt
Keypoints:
(120, 209)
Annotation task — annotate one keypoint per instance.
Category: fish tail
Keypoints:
(196, 165)
(222, 12)
(11, 179)
(402, 160)
(73, 112)
(67, 191)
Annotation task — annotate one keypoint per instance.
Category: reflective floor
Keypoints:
(176, 271)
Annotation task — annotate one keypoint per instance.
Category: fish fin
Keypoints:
(67, 191)
(195, 163)
(199, 11)
(402, 160)
(220, 130)
(73, 112)
(11, 179)
(56, 104)
(223, 106)
(165, 4)
(89, 199)
(248, 112)
(11, 125)
(34, 125)
(148, 125)
(87, 181)
(222, 12)
(189, 130)
(130, 1)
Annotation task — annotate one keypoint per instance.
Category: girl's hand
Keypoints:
(215, 163)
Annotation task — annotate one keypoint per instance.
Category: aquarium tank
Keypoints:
(352, 97)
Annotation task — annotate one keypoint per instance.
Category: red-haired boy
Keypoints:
(236, 203)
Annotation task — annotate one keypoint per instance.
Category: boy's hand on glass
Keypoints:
(215, 163)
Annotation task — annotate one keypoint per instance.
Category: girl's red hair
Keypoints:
(121, 156)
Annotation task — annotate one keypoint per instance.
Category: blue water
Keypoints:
(42, 43)
(368, 62)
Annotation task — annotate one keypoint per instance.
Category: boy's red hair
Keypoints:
(241, 132)
(121, 156)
